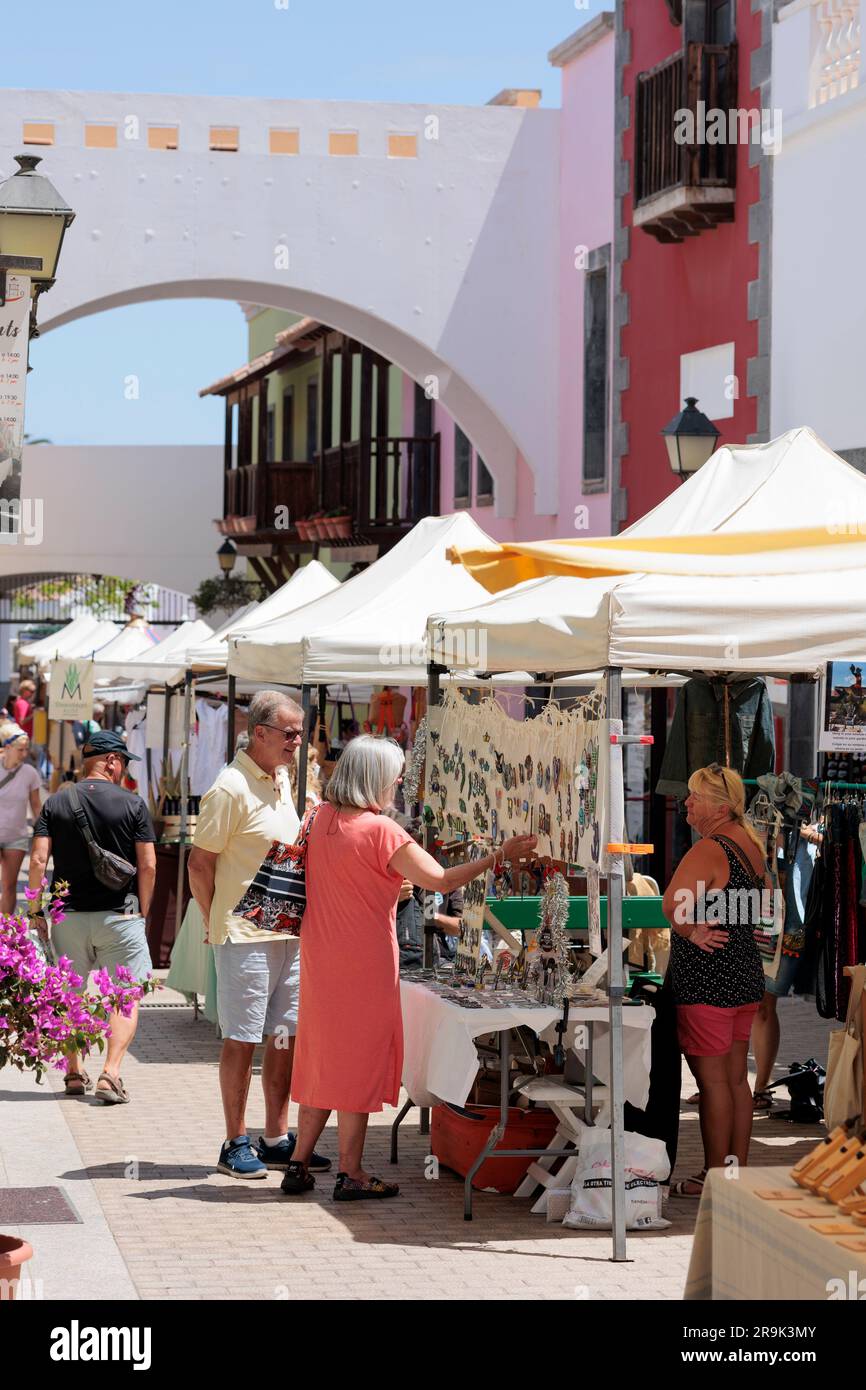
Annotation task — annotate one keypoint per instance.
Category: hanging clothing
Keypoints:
(834, 906)
(207, 752)
(727, 722)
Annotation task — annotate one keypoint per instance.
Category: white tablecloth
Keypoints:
(440, 1062)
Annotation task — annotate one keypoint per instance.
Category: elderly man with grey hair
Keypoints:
(258, 972)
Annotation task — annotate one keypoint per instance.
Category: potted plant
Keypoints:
(302, 526)
(45, 1019)
(342, 524)
(330, 524)
(316, 529)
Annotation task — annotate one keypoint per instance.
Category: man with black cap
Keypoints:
(103, 927)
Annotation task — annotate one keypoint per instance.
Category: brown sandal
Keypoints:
(77, 1083)
(115, 1094)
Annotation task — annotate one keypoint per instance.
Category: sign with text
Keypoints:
(14, 335)
(845, 709)
(70, 689)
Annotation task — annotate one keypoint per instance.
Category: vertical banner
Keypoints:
(70, 689)
(14, 336)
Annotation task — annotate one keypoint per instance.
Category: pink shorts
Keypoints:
(706, 1031)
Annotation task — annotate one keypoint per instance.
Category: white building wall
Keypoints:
(139, 512)
(819, 226)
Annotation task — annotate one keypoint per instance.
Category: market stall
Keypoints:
(733, 597)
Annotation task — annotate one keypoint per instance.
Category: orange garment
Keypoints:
(349, 1045)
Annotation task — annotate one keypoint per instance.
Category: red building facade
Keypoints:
(691, 310)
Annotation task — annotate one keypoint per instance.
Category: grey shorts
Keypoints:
(257, 988)
(23, 843)
(102, 940)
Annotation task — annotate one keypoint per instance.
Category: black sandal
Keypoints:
(351, 1190)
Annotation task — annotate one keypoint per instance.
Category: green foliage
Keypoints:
(227, 592)
(105, 595)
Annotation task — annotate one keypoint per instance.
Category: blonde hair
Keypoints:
(725, 786)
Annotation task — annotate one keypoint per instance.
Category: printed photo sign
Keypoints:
(845, 708)
(14, 335)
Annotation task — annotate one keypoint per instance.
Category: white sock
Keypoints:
(271, 1141)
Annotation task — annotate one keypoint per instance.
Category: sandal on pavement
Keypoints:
(115, 1093)
(77, 1083)
(679, 1188)
(762, 1100)
(351, 1190)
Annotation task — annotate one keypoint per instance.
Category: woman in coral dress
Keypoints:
(349, 1045)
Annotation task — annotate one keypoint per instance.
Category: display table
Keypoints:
(746, 1247)
(440, 1062)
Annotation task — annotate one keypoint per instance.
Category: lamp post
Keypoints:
(33, 222)
(690, 438)
(227, 554)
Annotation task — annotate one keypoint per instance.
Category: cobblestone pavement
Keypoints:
(185, 1231)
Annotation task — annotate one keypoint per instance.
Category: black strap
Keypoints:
(9, 775)
(78, 813)
(743, 859)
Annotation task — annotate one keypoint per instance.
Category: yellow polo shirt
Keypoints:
(244, 811)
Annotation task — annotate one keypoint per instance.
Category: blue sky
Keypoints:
(461, 51)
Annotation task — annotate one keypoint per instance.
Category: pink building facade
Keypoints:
(582, 464)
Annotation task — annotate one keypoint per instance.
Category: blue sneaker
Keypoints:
(280, 1155)
(238, 1160)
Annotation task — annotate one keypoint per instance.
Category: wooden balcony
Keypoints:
(387, 486)
(253, 492)
(682, 189)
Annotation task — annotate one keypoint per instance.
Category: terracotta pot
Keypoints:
(301, 528)
(14, 1252)
(342, 528)
(317, 530)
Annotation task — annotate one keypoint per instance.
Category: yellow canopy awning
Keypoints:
(717, 553)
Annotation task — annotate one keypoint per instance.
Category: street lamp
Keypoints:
(227, 554)
(33, 222)
(690, 438)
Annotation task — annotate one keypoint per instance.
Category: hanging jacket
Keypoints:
(718, 721)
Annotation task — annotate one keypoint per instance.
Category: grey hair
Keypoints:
(366, 770)
(264, 705)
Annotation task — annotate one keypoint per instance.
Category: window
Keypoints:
(38, 133)
(423, 426)
(312, 420)
(288, 425)
(402, 146)
(462, 468)
(709, 376)
(100, 137)
(284, 141)
(162, 137)
(224, 137)
(595, 376)
(483, 483)
(343, 142)
(720, 21)
(270, 425)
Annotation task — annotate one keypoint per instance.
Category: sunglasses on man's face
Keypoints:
(288, 734)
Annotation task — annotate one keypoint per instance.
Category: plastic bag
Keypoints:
(646, 1166)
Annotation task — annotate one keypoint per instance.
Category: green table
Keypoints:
(521, 914)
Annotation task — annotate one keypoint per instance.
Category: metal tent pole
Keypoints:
(434, 694)
(184, 798)
(613, 685)
(230, 734)
(306, 703)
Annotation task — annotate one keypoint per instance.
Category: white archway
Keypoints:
(445, 261)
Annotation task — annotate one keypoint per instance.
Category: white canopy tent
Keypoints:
(783, 612)
(82, 636)
(164, 662)
(312, 581)
(373, 628)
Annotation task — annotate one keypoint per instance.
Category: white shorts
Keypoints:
(257, 988)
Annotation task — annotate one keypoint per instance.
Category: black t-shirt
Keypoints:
(119, 821)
